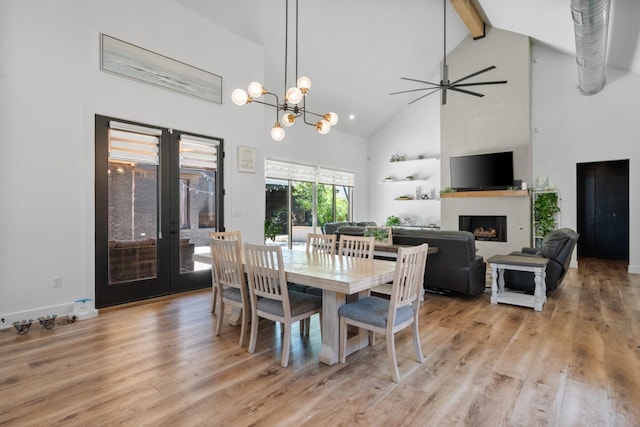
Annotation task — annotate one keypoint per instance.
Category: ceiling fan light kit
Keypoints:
(289, 109)
(445, 84)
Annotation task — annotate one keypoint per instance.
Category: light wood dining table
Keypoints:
(337, 276)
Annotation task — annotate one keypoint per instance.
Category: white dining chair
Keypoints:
(221, 235)
(271, 298)
(321, 243)
(356, 246)
(231, 284)
(388, 316)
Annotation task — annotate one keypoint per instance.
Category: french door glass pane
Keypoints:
(198, 183)
(301, 212)
(133, 221)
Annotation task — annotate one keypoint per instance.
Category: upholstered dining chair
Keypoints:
(271, 298)
(221, 235)
(231, 283)
(388, 316)
(356, 246)
(321, 243)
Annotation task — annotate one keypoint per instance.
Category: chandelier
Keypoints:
(294, 103)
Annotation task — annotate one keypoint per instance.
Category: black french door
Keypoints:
(159, 194)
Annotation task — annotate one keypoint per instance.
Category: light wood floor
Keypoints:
(576, 363)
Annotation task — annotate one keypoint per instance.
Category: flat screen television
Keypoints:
(492, 171)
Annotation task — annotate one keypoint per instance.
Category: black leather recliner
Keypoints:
(558, 247)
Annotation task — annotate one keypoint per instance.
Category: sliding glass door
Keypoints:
(158, 196)
(300, 199)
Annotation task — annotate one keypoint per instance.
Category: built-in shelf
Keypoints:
(405, 180)
(413, 159)
(491, 193)
(414, 199)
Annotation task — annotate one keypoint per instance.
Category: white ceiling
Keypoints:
(355, 51)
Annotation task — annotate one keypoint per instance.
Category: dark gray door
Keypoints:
(603, 209)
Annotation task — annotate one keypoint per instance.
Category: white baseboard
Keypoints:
(59, 310)
(634, 269)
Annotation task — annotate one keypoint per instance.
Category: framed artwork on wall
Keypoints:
(246, 159)
(130, 61)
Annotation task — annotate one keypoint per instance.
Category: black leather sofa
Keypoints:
(558, 247)
(350, 228)
(455, 268)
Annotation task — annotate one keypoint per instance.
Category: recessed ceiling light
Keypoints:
(351, 116)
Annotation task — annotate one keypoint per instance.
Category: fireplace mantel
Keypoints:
(491, 193)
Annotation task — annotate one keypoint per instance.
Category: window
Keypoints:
(300, 199)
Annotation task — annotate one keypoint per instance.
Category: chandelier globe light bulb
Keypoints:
(294, 95)
(332, 118)
(255, 89)
(240, 97)
(288, 119)
(277, 132)
(323, 127)
(304, 84)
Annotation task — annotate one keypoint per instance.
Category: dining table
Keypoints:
(337, 276)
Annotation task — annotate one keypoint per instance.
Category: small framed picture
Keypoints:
(246, 159)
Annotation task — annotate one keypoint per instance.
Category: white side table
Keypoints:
(536, 265)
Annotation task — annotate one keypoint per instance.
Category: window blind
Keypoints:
(296, 172)
(133, 147)
(198, 153)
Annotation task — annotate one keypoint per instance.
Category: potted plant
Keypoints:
(392, 221)
(545, 208)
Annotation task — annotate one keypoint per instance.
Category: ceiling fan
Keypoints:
(445, 84)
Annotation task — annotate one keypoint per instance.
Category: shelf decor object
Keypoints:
(127, 60)
(289, 109)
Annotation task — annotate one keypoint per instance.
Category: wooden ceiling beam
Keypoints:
(470, 16)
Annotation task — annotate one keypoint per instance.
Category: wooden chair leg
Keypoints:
(254, 331)
(286, 345)
(243, 326)
(215, 294)
(343, 340)
(220, 318)
(391, 351)
(416, 341)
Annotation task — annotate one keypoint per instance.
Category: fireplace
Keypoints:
(485, 227)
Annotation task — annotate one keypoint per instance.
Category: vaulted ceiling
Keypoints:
(355, 51)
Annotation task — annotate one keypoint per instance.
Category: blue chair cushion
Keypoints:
(299, 302)
(233, 294)
(373, 311)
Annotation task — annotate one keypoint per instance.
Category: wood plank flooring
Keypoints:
(158, 362)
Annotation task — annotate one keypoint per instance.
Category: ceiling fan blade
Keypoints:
(474, 74)
(496, 82)
(468, 92)
(420, 81)
(412, 90)
(425, 95)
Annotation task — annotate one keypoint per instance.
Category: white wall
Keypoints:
(52, 88)
(413, 131)
(569, 128)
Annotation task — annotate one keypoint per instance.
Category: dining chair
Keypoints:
(271, 298)
(221, 235)
(316, 244)
(321, 243)
(356, 246)
(388, 316)
(231, 283)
